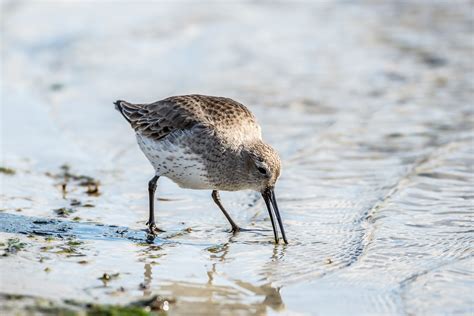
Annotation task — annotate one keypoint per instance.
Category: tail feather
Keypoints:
(119, 106)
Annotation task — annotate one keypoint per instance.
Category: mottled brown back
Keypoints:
(158, 119)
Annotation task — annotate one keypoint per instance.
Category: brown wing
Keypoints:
(160, 118)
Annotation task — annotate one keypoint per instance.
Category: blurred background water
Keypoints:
(369, 104)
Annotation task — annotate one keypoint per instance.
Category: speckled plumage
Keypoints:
(204, 142)
(198, 136)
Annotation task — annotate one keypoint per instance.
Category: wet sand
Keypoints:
(369, 104)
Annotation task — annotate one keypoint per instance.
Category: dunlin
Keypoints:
(205, 143)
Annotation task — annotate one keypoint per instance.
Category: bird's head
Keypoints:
(263, 167)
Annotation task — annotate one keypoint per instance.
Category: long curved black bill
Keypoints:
(277, 213)
(267, 198)
(272, 206)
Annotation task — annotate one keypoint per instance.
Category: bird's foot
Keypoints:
(237, 229)
(153, 229)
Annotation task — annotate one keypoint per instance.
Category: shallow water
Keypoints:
(370, 106)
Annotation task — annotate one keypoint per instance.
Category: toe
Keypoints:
(154, 229)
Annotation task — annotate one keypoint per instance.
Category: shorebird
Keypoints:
(205, 143)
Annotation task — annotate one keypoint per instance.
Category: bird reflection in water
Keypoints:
(209, 298)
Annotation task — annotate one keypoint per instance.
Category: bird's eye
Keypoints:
(262, 170)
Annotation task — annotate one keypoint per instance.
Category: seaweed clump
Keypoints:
(18, 304)
(66, 176)
(8, 171)
(13, 245)
(64, 212)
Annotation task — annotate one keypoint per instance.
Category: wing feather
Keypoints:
(161, 118)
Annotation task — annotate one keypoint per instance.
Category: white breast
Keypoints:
(176, 163)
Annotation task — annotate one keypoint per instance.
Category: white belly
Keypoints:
(174, 162)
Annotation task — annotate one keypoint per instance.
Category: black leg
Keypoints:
(151, 197)
(217, 200)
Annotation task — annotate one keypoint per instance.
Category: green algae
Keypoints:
(64, 212)
(28, 305)
(7, 171)
(13, 245)
(112, 310)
